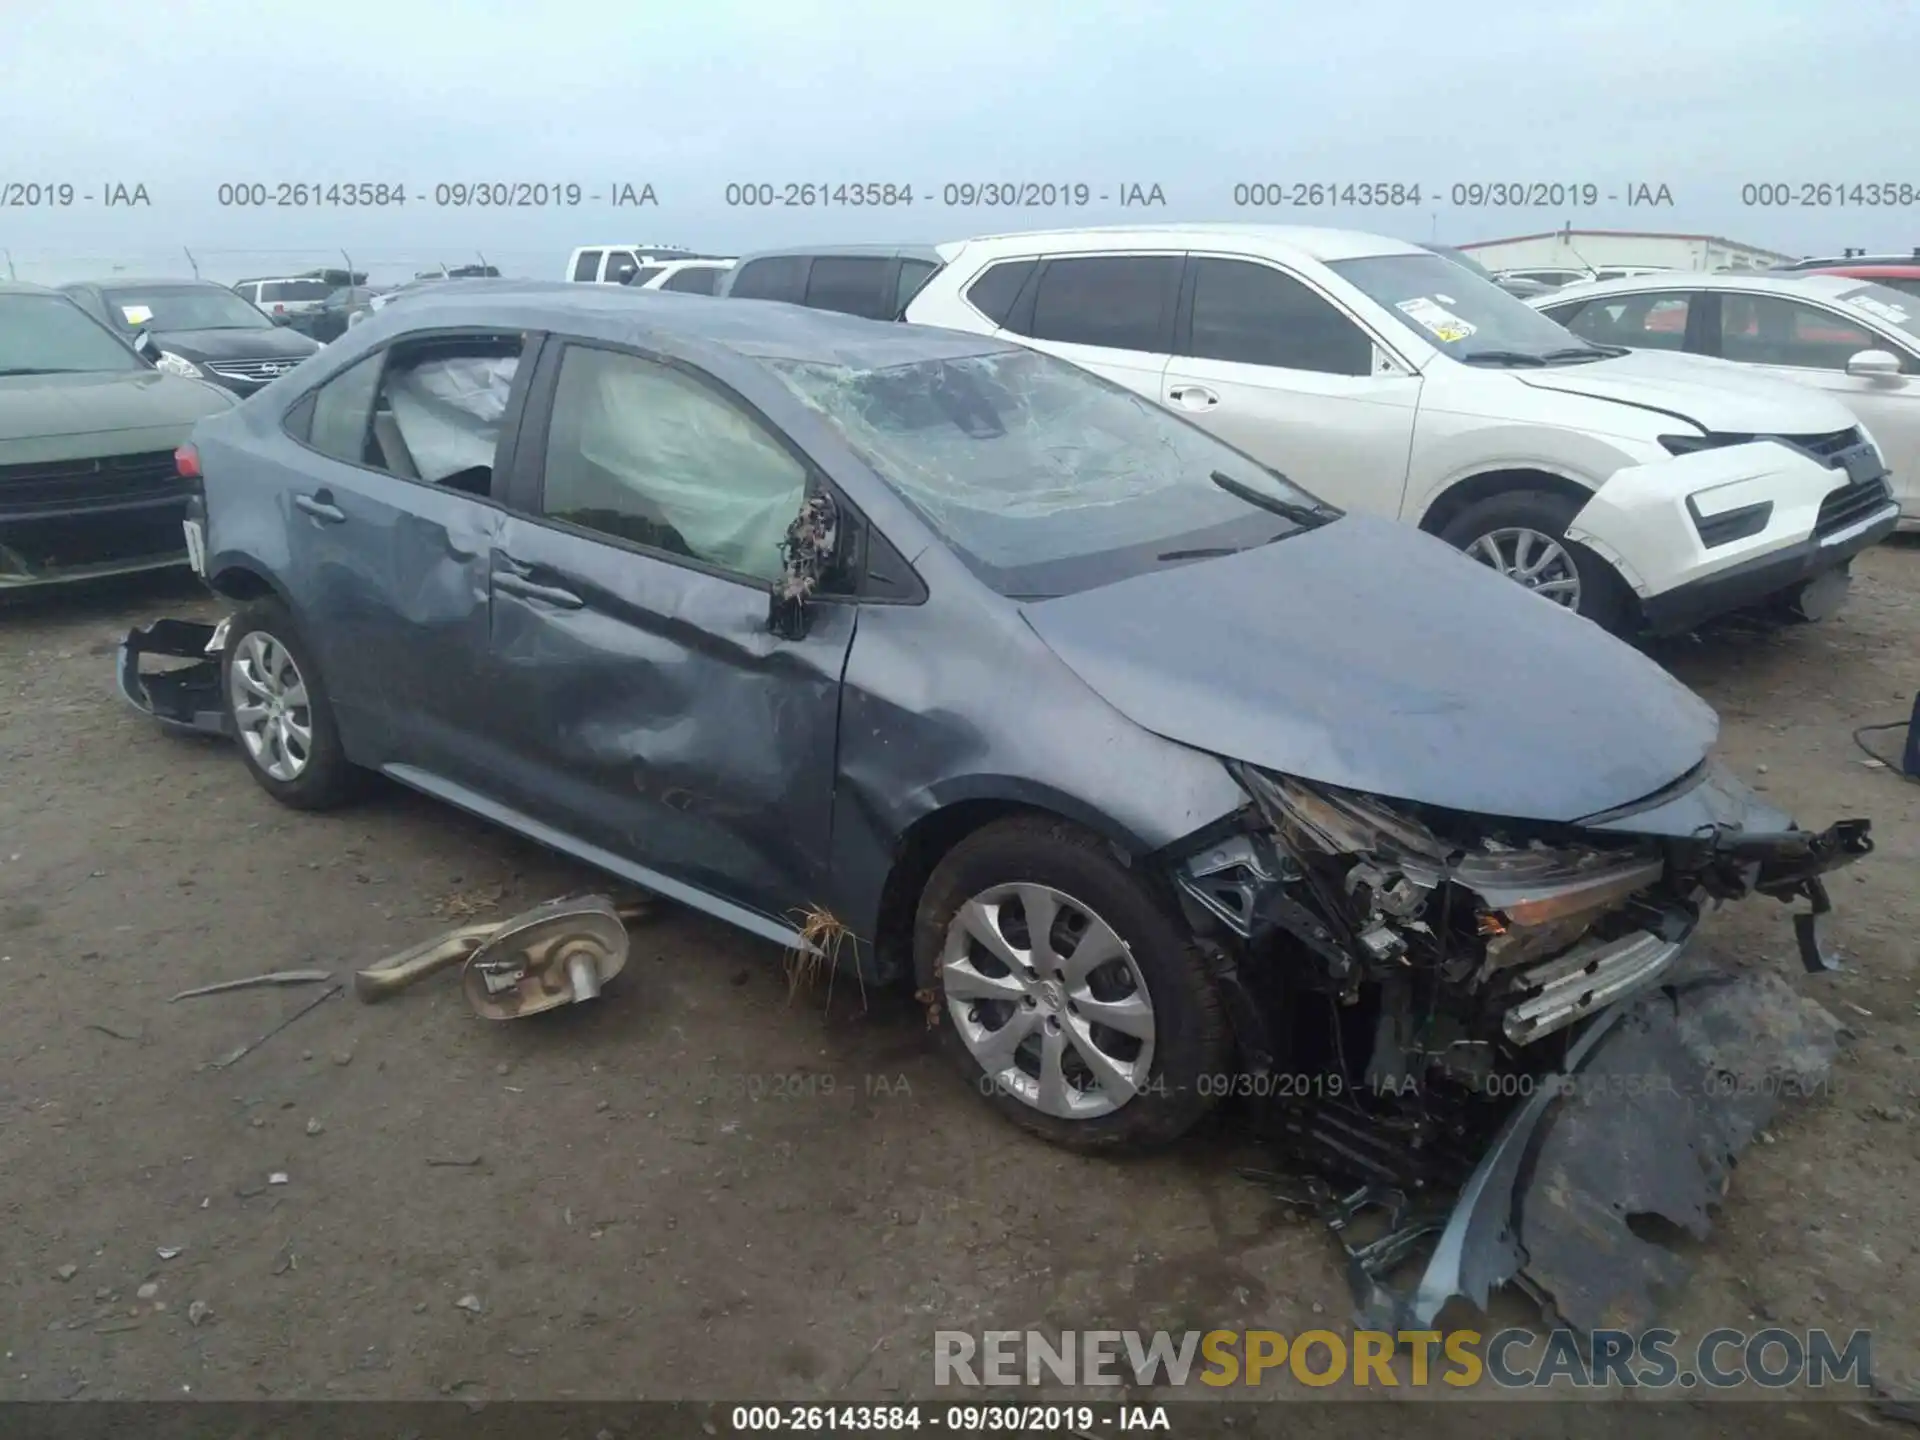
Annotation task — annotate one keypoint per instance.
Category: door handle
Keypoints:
(547, 594)
(1193, 397)
(320, 505)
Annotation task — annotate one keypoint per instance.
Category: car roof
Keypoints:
(25, 287)
(1800, 283)
(137, 283)
(910, 252)
(1858, 271)
(759, 329)
(1313, 242)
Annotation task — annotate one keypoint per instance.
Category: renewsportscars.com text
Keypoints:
(1510, 1359)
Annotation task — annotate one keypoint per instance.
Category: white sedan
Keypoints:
(1854, 339)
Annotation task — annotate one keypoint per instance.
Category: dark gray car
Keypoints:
(871, 281)
(1145, 769)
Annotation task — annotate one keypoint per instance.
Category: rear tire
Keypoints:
(1528, 528)
(282, 719)
(1070, 1077)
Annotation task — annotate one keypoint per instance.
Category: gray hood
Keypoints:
(1368, 655)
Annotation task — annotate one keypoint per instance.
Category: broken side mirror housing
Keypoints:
(146, 346)
(808, 556)
(1873, 364)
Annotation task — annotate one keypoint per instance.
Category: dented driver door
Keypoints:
(646, 706)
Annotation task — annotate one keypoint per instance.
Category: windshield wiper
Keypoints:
(1501, 357)
(1586, 352)
(1305, 516)
(1203, 552)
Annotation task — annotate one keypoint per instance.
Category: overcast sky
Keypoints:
(1192, 95)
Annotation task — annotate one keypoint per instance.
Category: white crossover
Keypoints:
(1645, 491)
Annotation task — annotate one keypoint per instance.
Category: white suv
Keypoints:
(1645, 491)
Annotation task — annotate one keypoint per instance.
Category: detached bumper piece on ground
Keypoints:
(183, 698)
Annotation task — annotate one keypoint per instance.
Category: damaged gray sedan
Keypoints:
(1156, 778)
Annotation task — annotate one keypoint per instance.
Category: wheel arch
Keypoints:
(951, 812)
(1472, 489)
(241, 581)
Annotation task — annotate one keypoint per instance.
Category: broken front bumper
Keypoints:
(1724, 529)
(1644, 1121)
(185, 698)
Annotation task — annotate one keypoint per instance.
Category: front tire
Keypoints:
(1065, 991)
(1523, 535)
(281, 717)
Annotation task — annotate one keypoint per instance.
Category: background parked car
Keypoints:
(344, 307)
(687, 277)
(286, 295)
(871, 281)
(88, 428)
(1895, 277)
(1390, 379)
(1854, 338)
(1512, 284)
(204, 330)
(617, 264)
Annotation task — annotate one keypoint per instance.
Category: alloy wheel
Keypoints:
(270, 706)
(1048, 999)
(1539, 562)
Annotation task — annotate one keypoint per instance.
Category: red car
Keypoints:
(1897, 277)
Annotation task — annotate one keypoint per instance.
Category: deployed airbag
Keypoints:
(449, 410)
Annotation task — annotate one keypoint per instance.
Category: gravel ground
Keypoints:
(706, 1185)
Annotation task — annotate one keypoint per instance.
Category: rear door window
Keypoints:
(1119, 302)
(852, 285)
(621, 266)
(778, 277)
(1772, 330)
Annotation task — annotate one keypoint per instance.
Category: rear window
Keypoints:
(913, 275)
(274, 290)
(778, 277)
(587, 267)
(694, 280)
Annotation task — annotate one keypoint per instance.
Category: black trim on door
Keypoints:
(1703, 323)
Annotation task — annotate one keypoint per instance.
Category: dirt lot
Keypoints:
(701, 1186)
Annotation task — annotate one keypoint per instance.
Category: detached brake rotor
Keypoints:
(558, 953)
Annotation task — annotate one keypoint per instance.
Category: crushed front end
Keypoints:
(1487, 1043)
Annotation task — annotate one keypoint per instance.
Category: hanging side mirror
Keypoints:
(146, 346)
(808, 552)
